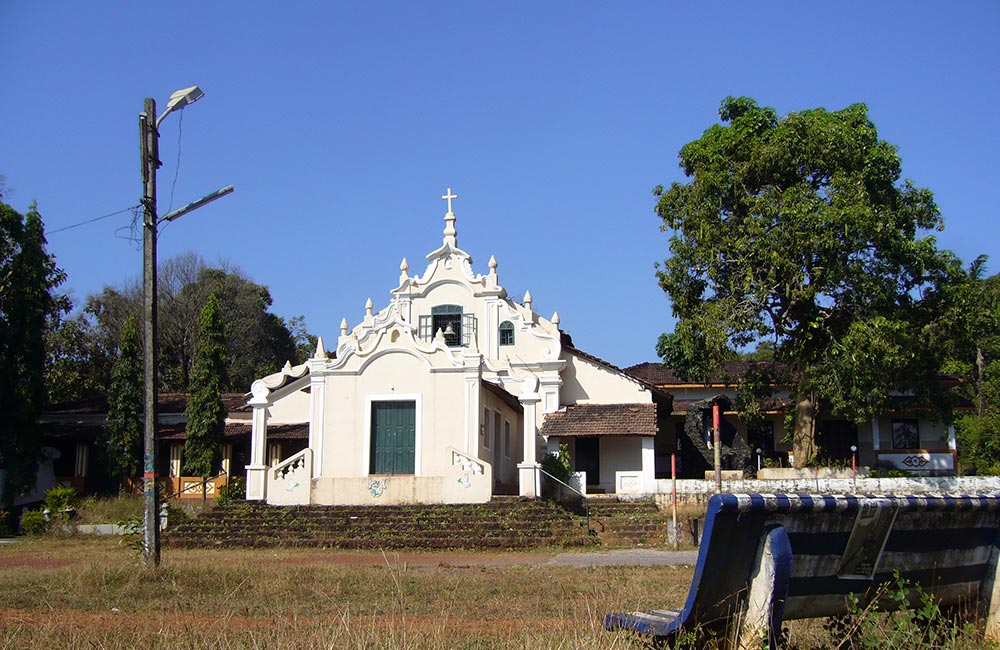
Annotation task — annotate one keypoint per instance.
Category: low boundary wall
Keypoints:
(697, 492)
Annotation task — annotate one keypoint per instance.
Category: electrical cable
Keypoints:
(177, 168)
(83, 223)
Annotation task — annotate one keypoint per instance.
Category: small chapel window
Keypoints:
(458, 328)
(506, 333)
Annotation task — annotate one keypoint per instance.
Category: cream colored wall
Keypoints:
(391, 376)
(618, 454)
(585, 382)
(504, 465)
(291, 407)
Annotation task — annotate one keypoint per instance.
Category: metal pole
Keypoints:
(673, 495)
(150, 163)
(718, 447)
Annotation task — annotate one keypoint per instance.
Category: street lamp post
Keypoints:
(149, 143)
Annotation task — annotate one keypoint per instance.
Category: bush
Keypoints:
(60, 499)
(33, 522)
(558, 465)
(235, 489)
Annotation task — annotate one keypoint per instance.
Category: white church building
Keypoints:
(450, 394)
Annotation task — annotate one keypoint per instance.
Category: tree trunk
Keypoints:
(804, 438)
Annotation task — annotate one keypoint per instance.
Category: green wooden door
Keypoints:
(394, 434)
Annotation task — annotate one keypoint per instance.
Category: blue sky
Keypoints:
(341, 125)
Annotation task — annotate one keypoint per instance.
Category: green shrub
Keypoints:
(559, 464)
(33, 522)
(60, 499)
(234, 490)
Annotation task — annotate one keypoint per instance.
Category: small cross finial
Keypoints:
(448, 197)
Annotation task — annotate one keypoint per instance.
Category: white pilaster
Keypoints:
(528, 475)
(648, 465)
(257, 469)
(875, 434)
(952, 442)
(472, 415)
(317, 418)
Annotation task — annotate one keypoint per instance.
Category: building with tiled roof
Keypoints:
(903, 436)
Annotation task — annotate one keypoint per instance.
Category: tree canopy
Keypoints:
(973, 346)
(259, 342)
(29, 304)
(797, 232)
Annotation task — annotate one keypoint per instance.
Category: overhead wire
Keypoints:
(83, 223)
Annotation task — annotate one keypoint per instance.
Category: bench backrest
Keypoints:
(768, 557)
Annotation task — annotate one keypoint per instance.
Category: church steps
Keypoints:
(507, 523)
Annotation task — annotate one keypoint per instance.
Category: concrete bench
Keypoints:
(765, 558)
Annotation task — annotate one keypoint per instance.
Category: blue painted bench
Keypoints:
(765, 558)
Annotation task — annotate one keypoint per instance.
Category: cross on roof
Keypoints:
(448, 197)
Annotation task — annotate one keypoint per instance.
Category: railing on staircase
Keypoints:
(584, 501)
(290, 481)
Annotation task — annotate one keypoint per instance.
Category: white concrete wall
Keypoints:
(619, 454)
(291, 406)
(504, 460)
(693, 491)
(393, 376)
(586, 382)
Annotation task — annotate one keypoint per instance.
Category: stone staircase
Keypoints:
(628, 523)
(504, 522)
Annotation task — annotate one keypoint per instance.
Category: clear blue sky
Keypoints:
(341, 124)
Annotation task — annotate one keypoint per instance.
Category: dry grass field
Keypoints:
(74, 592)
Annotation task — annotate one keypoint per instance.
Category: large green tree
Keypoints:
(973, 346)
(259, 342)
(206, 415)
(122, 438)
(29, 305)
(797, 231)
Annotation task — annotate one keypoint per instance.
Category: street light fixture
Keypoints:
(149, 142)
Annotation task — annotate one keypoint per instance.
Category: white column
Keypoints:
(472, 415)
(528, 475)
(875, 434)
(317, 418)
(257, 469)
(648, 465)
(952, 442)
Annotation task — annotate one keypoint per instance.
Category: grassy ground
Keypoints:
(75, 592)
(78, 592)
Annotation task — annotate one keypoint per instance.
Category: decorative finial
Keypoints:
(404, 271)
(320, 349)
(368, 308)
(527, 299)
(449, 221)
(343, 327)
(287, 367)
(493, 264)
(555, 318)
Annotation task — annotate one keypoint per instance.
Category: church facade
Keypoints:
(450, 394)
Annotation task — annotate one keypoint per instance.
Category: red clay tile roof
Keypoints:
(167, 403)
(240, 430)
(601, 420)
